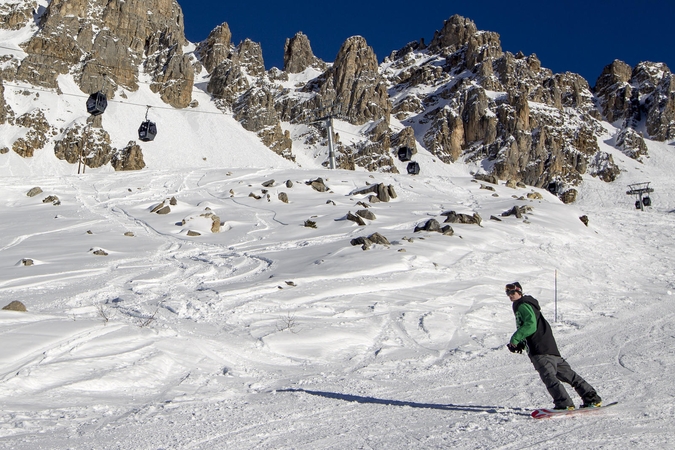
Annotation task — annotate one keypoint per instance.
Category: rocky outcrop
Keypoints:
(532, 126)
(6, 112)
(90, 144)
(105, 42)
(354, 91)
(631, 143)
(644, 93)
(354, 84)
(298, 55)
(128, 158)
(462, 96)
(216, 48)
(615, 92)
(656, 87)
(249, 57)
(230, 78)
(405, 138)
(14, 16)
(367, 242)
(255, 110)
(253, 106)
(36, 137)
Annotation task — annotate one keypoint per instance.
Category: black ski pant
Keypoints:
(554, 369)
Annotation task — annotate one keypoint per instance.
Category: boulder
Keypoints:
(366, 214)
(377, 238)
(453, 217)
(34, 191)
(429, 225)
(15, 306)
(357, 219)
(318, 185)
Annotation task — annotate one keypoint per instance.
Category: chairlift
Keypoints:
(148, 129)
(97, 103)
(413, 168)
(641, 191)
(405, 154)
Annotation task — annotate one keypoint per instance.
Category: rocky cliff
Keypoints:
(632, 96)
(460, 97)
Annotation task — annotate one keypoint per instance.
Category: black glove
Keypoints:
(516, 348)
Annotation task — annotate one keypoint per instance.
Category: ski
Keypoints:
(548, 413)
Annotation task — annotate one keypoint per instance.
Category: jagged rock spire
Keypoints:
(298, 54)
(216, 48)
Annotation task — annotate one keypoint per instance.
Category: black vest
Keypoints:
(542, 341)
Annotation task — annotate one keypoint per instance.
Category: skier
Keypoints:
(534, 334)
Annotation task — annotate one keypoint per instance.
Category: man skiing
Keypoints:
(534, 334)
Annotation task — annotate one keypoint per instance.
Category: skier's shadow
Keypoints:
(379, 401)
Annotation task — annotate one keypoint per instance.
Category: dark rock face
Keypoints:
(644, 93)
(86, 144)
(15, 16)
(462, 97)
(216, 49)
(253, 105)
(533, 126)
(107, 42)
(128, 158)
(298, 55)
(6, 112)
(36, 138)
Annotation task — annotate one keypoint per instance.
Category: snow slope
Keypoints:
(271, 334)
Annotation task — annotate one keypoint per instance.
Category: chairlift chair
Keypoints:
(413, 168)
(148, 129)
(405, 154)
(97, 103)
(647, 201)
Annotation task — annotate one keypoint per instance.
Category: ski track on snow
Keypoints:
(270, 335)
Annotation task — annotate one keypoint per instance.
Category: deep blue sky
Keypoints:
(576, 36)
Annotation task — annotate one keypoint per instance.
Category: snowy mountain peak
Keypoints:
(461, 98)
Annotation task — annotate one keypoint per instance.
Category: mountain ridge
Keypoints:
(460, 98)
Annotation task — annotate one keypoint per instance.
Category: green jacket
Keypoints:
(526, 323)
(533, 328)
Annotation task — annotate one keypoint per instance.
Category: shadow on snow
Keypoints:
(379, 401)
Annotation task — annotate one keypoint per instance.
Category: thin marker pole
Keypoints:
(555, 301)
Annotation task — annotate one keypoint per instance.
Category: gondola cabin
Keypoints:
(147, 131)
(405, 154)
(413, 168)
(97, 103)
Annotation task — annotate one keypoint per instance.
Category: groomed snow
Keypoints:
(274, 335)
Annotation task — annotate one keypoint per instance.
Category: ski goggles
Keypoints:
(512, 289)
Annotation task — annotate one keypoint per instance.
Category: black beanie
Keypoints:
(517, 286)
